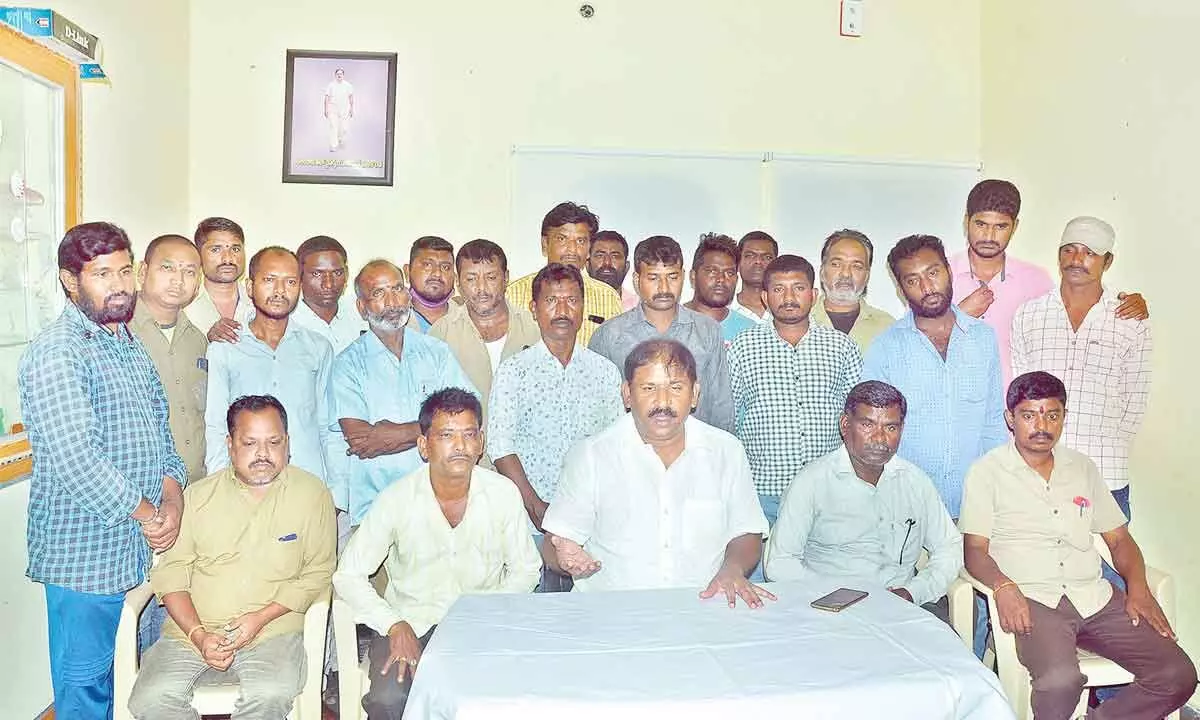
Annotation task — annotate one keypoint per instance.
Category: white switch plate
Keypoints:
(852, 18)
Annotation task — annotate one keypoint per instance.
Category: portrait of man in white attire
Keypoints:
(339, 109)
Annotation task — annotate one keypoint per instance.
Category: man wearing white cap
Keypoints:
(1074, 333)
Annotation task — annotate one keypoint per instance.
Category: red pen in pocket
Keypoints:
(1082, 502)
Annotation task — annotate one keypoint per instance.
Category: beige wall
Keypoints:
(477, 78)
(1092, 107)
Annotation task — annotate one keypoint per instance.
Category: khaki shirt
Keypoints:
(870, 322)
(458, 331)
(184, 373)
(236, 554)
(1040, 534)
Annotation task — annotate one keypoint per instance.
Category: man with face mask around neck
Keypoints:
(678, 507)
(430, 272)
(273, 356)
(376, 390)
(107, 483)
(862, 514)
(257, 549)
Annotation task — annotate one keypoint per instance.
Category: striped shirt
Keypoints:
(788, 399)
(1105, 366)
(97, 420)
(600, 302)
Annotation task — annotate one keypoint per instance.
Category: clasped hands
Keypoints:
(219, 648)
(576, 562)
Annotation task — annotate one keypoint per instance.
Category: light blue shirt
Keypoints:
(370, 383)
(955, 406)
(836, 525)
(296, 373)
(734, 323)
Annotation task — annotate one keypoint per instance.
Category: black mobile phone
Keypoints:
(839, 599)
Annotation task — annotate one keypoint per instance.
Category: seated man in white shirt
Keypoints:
(861, 514)
(445, 529)
(678, 507)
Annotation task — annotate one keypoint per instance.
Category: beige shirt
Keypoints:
(870, 322)
(600, 302)
(182, 367)
(1040, 534)
(236, 554)
(429, 563)
(204, 314)
(458, 331)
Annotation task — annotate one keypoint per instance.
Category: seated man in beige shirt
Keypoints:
(446, 529)
(256, 547)
(1028, 513)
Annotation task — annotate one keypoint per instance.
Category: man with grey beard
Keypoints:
(376, 389)
(845, 271)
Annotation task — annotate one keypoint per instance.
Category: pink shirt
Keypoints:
(1019, 282)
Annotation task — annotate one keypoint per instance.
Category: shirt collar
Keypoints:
(143, 319)
(846, 468)
(548, 357)
(89, 328)
(962, 321)
(683, 316)
(1011, 459)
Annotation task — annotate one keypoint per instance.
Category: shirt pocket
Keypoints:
(1078, 522)
(282, 558)
(1101, 360)
(703, 520)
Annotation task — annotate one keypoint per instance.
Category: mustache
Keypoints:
(561, 319)
(122, 296)
(789, 306)
(1041, 436)
(877, 448)
(931, 296)
(663, 411)
(844, 283)
(663, 296)
(262, 463)
(1075, 267)
(227, 265)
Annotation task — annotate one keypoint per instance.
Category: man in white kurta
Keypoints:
(659, 499)
(339, 108)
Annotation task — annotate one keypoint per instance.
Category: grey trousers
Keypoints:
(270, 675)
(1163, 676)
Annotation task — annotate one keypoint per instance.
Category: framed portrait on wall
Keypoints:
(339, 117)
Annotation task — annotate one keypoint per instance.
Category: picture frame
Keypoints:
(339, 117)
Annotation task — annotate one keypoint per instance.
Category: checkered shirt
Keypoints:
(1105, 366)
(96, 415)
(788, 399)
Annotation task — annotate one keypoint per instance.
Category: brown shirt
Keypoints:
(184, 373)
(236, 554)
(1040, 533)
(458, 331)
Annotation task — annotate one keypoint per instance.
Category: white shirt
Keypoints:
(742, 309)
(648, 525)
(204, 314)
(339, 93)
(1105, 367)
(429, 563)
(495, 350)
(834, 524)
(347, 325)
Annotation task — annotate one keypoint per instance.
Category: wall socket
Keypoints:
(852, 18)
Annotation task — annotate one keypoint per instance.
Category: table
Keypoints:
(667, 654)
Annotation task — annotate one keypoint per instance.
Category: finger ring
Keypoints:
(403, 660)
(412, 663)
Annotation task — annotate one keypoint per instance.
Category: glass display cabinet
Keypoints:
(39, 193)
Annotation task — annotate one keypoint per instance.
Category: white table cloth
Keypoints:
(667, 654)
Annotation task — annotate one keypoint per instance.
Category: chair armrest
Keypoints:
(961, 599)
(125, 654)
(316, 623)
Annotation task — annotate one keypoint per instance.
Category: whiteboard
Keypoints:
(812, 197)
(636, 194)
(798, 199)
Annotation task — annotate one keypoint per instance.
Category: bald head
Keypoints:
(166, 241)
(373, 271)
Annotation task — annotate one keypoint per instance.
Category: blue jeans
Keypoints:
(770, 508)
(1110, 574)
(83, 638)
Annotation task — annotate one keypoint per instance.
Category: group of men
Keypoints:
(271, 435)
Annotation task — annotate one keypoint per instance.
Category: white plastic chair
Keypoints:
(217, 699)
(1014, 678)
(354, 677)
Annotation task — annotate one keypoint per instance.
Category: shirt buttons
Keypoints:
(1056, 512)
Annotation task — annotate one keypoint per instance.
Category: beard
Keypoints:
(115, 308)
(389, 320)
(843, 293)
(431, 300)
(272, 313)
(926, 310)
(713, 300)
